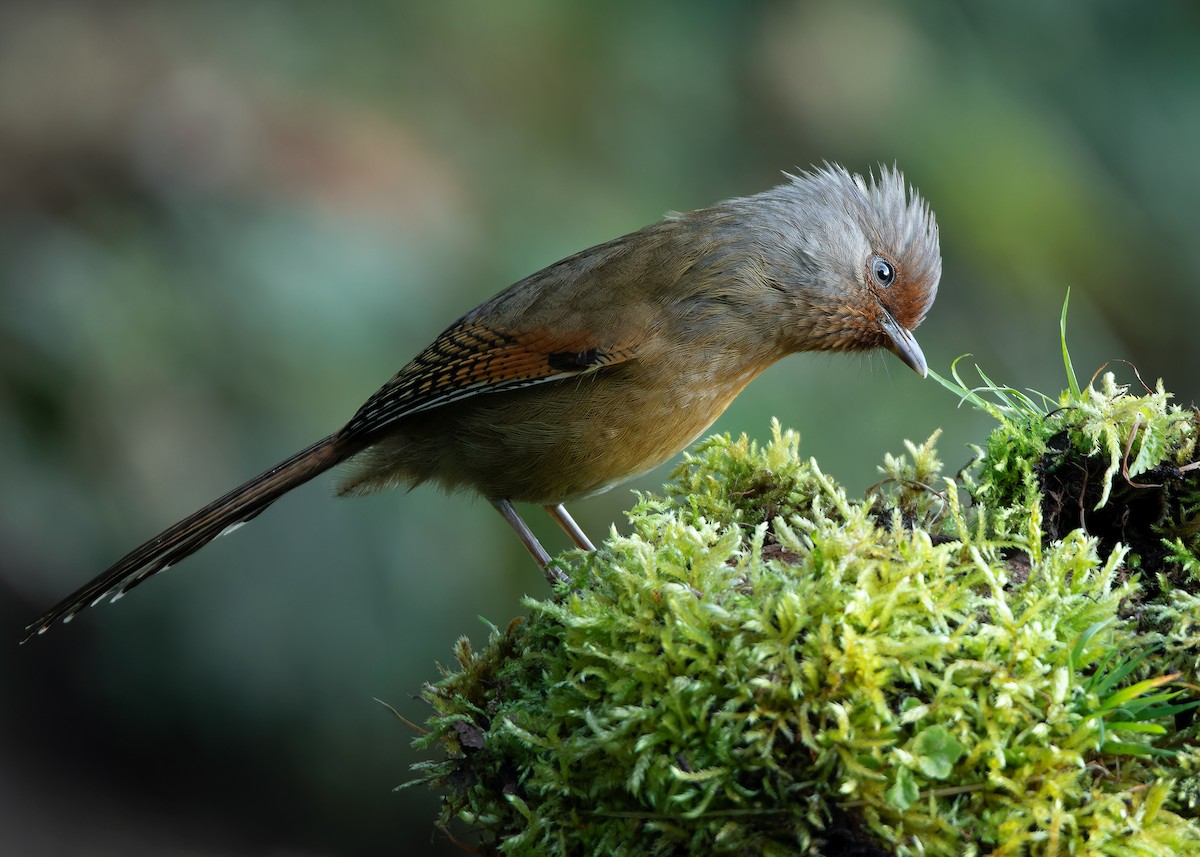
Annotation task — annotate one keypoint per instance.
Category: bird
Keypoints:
(609, 362)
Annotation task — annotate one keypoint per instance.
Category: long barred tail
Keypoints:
(199, 528)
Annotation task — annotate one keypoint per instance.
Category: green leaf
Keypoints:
(903, 792)
(1134, 691)
(1078, 651)
(1072, 381)
(1137, 726)
(1124, 748)
(936, 751)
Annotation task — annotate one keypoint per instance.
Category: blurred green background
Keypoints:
(224, 225)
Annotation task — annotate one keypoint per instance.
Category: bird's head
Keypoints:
(863, 262)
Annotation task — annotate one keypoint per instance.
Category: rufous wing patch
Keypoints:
(472, 359)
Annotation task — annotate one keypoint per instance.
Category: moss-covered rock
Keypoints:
(995, 665)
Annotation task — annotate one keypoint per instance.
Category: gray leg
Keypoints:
(505, 508)
(559, 513)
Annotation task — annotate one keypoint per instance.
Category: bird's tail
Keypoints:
(199, 528)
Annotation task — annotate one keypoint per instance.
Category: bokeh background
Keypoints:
(223, 225)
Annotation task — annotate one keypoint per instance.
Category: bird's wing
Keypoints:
(562, 322)
(472, 358)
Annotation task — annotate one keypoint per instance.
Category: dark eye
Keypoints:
(882, 271)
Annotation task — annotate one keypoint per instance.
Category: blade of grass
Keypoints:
(1072, 381)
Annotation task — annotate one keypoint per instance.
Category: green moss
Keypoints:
(767, 666)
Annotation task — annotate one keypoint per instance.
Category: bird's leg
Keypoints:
(559, 513)
(505, 508)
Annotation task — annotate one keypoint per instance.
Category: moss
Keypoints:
(985, 665)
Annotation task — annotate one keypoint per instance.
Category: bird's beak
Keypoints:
(902, 343)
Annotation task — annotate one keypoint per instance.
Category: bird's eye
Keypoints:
(882, 270)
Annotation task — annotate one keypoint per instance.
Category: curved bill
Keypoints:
(902, 343)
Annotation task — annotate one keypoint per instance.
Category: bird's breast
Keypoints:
(565, 439)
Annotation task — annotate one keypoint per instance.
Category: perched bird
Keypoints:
(609, 362)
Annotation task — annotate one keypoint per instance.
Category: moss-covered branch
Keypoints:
(998, 663)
